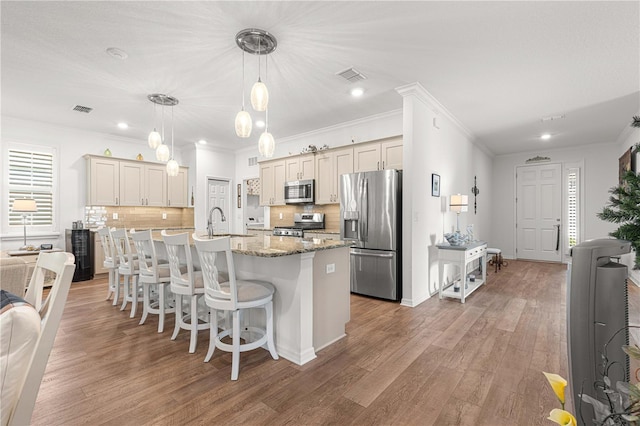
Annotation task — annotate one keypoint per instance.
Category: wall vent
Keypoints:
(352, 75)
(253, 161)
(81, 108)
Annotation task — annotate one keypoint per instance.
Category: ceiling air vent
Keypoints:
(81, 108)
(253, 161)
(352, 75)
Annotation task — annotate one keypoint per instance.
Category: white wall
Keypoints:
(444, 148)
(71, 145)
(599, 174)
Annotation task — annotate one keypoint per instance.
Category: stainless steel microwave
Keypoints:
(299, 191)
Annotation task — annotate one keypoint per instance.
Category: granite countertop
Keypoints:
(270, 246)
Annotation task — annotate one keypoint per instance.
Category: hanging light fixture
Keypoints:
(162, 151)
(266, 143)
(172, 165)
(154, 137)
(243, 119)
(257, 42)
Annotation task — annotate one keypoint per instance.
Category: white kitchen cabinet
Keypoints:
(131, 184)
(272, 179)
(300, 167)
(98, 258)
(177, 189)
(104, 182)
(378, 155)
(329, 166)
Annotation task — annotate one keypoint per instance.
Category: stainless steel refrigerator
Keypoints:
(371, 217)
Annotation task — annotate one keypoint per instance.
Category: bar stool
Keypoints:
(110, 262)
(234, 296)
(128, 267)
(153, 274)
(497, 259)
(187, 283)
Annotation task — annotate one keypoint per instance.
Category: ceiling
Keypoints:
(499, 67)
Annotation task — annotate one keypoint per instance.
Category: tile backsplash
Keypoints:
(138, 217)
(331, 214)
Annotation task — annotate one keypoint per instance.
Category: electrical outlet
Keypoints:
(115, 216)
(280, 216)
(164, 216)
(331, 268)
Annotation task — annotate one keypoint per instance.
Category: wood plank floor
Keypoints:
(442, 363)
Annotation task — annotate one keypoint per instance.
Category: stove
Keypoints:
(301, 221)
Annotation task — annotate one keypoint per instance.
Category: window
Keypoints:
(31, 174)
(572, 207)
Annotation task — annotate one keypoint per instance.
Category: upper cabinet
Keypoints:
(378, 155)
(272, 178)
(329, 166)
(114, 182)
(300, 167)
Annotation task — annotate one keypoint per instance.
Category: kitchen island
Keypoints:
(311, 277)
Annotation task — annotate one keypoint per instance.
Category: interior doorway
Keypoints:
(219, 195)
(539, 212)
(253, 213)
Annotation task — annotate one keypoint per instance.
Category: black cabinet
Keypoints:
(79, 242)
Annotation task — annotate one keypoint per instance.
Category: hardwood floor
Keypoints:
(441, 363)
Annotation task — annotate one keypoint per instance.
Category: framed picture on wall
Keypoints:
(435, 185)
(624, 164)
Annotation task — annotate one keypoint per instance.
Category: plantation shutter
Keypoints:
(31, 176)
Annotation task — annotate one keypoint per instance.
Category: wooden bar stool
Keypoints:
(496, 259)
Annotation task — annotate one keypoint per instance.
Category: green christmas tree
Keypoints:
(624, 207)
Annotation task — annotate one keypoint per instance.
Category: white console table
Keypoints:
(461, 256)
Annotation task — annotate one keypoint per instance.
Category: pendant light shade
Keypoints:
(154, 139)
(266, 144)
(173, 167)
(163, 153)
(259, 96)
(243, 124)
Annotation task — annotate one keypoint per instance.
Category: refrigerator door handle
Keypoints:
(369, 254)
(365, 208)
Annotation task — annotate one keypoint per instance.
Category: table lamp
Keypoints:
(24, 206)
(459, 203)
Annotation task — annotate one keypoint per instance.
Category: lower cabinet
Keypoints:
(98, 258)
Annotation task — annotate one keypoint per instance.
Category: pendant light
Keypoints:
(172, 165)
(162, 151)
(266, 143)
(154, 137)
(243, 119)
(259, 92)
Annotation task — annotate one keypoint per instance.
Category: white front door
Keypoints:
(539, 212)
(219, 196)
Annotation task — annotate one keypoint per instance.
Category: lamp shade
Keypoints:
(266, 144)
(154, 139)
(259, 96)
(162, 153)
(243, 124)
(24, 205)
(459, 203)
(173, 167)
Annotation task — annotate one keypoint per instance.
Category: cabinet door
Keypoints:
(279, 178)
(266, 184)
(391, 152)
(307, 166)
(177, 189)
(366, 158)
(104, 182)
(98, 267)
(292, 169)
(325, 178)
(131, 184)
(343, 165)
(155, 186)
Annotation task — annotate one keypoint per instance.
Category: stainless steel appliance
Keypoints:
(371, 217)
(301, 221)
(299, 191)
(597, 316)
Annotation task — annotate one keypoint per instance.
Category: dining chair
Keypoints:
(234, 297)
(34, 329)
(110, 262)
(127, 267)
(183, 284)
(154, 275)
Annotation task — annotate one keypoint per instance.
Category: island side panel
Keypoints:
(292, 276)
(331, 296)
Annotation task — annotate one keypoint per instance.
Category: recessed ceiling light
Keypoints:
(123, 125)
(259, 124)
(202, 142)
(357, 91)
(545, 137)
(114, 52)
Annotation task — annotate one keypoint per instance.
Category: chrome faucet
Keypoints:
(210, 222)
